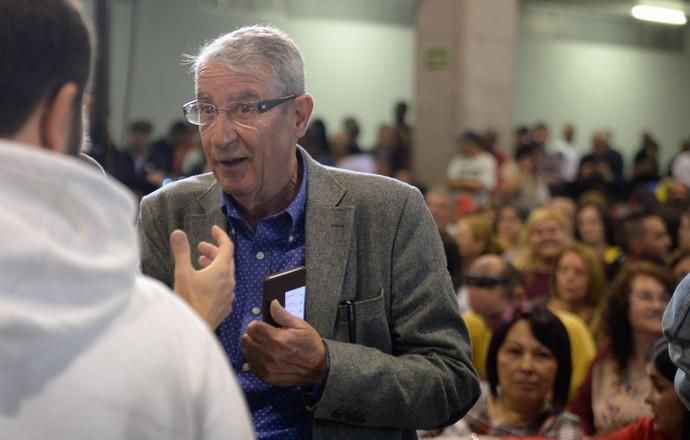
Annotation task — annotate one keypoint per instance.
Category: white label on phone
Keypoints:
(294, 301)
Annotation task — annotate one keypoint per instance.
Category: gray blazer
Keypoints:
(371, 240)
(676, 326)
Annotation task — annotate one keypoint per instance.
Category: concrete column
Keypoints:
(465, 77)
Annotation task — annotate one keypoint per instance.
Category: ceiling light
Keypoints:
(659, 14)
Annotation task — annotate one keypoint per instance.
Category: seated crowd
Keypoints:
(563, 278)
(563, 269)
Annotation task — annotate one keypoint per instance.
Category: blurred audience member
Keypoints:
(547, 233)
(670, 419)
(508, 229)
(646, 163)
(438, 202)
(493, 287)
(647, 237)
(316, 142)
(401, 157)
(567, 207)
(474, 237)
(577, 285)
(521, 183)
(351, 129)
(679, 263)
(473, 170)
(602, 169)
(613, 394)
(594, 228)
(679, 166)
(568, 153)
(528, 370)
(165, 156)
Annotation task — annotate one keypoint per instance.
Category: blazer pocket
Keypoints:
(369, 320)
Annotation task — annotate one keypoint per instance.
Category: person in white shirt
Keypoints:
(473, 170)
(89, 348)
(568, 154)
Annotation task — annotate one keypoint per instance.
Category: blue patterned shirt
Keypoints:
(276, 245)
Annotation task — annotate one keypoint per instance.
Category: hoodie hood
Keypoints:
(69, 252)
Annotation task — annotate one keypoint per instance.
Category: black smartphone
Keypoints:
(289, 288)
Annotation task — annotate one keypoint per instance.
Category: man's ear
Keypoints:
(304, 105)
(55, 126)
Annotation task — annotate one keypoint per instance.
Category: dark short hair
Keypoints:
(140, 126)
(549, 331)
(44, 45)
(616, 323)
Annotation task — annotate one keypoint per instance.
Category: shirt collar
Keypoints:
(295, 210)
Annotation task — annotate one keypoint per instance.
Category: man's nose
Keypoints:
(223, 130)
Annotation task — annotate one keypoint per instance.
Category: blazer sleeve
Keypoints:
(427, 381)
(676, 326)
(156, 260)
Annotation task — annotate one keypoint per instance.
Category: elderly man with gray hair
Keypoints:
(380, 349)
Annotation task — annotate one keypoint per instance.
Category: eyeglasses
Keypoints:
(649, 297)
(483, 281)
(201, 113)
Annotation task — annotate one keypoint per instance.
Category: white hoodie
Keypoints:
(88, 348)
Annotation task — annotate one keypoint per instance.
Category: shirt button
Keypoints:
(291, 239)
(245, 367)
(256, 311)
(259, 255)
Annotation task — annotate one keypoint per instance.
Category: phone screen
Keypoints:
(294, 301)
(289, 288)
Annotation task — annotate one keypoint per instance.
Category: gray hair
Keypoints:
(250, 48)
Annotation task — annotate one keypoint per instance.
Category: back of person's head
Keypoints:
(141, 126)
(179, 131)
(546, 328)
(250, 49)
(616, 325)
(482, 232)
(44, 45)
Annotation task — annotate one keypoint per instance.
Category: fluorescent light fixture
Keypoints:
(659, 14)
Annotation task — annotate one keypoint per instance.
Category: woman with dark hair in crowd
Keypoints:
(528, 369)
(594, 228)
(577, 285)
(613, 393)
(508, 229)
(670, 420)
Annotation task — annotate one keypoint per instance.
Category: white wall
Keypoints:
(597, 85)
(354, 67)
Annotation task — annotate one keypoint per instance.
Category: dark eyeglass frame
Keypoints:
(261, 106)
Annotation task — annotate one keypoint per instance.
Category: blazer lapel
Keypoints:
(328, 240)
(198, 224)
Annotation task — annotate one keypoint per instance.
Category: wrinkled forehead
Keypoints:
(235, 82)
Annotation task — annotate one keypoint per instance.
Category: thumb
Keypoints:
(282, 317)
(181, 251)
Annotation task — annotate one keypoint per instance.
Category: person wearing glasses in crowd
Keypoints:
(493, 286)
(613, 394)
(381, 350)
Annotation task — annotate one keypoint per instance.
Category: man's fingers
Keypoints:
(284, 318)
(204, 262)
(208, 250)
(181, 251)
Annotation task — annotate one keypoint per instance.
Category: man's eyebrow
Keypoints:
(245, 94)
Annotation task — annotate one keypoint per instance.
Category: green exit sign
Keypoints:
(437, 58)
